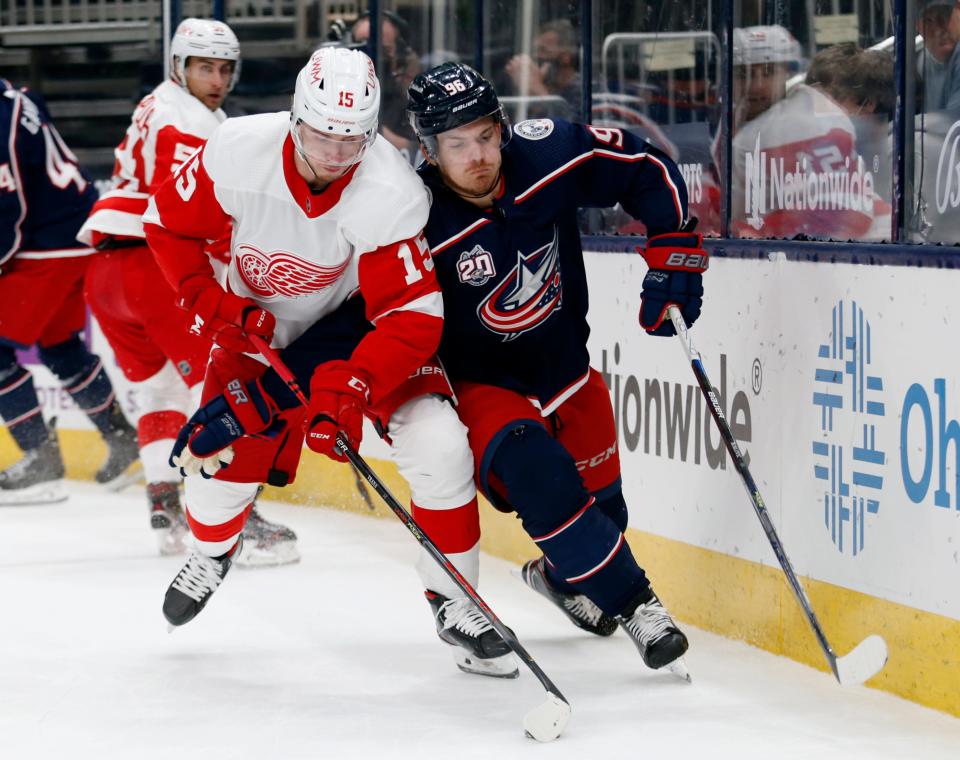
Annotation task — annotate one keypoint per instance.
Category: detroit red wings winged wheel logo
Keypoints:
(280, 273)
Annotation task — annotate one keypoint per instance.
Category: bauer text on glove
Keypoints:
(676, 264)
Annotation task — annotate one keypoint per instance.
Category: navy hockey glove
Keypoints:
(203, 446)
(677, 262)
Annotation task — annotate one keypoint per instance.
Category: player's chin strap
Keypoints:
(485, 193)
(870, 655)
(316, 177)
(544, 722)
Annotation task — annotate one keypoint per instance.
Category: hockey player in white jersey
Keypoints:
(127, 293)
(329, 264)
(797, 167)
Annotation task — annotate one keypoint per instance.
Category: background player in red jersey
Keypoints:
(44, 198)
(507, 252)
(128, 294)
(328, 262)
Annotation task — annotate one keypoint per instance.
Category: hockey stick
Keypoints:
(362, 490)
(870, 655)
(544, 722)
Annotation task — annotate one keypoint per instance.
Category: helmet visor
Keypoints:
(329, 150)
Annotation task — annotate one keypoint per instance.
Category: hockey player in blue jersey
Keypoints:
(503, 232)
(44, 198)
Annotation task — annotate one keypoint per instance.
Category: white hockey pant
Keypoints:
(431, 451)
(165, 402)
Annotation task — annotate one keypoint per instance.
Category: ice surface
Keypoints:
(336, 658)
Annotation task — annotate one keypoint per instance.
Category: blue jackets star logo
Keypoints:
(528, 295)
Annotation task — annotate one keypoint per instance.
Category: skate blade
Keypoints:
(51, 492)
(679, 668)
(495, 667)
(284, 553)
(131, 476)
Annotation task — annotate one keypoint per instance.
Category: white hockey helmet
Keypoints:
(203, 38)
(337, 94)
(765, 44)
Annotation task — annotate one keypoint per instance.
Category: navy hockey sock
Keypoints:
(610, 501)
(19, 405)
(585, 548)
(84, 378)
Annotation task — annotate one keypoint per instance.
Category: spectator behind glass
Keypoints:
(764, 58)
(554, 71)
(939, 44)
(398, 66)
(797, 167)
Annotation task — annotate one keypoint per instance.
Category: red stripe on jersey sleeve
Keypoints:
(400, 343)
(403, 301)
(187, 214)
(173, 147)
(127, 205)
(395, 275)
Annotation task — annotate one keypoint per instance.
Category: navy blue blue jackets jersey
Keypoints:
(513, 277)
(44, 196)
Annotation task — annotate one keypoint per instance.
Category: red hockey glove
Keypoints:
(228, 319)
(338, 399)
(677, 262)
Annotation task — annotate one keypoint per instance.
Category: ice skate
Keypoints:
(195, 584)
(581, 611)
(37, 477)
(476, 646)
(167, 520)
(266, 544)
(122, 466)
(657, 638)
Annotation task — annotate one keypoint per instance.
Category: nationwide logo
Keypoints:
(280, 274)
(849, 397)
(822, 179)
(948, 170)
(528, 295)
(671, 420)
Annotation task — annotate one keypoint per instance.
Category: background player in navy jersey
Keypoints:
(504, 237)
(44, 198)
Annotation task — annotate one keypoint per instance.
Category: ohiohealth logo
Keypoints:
(849, 398)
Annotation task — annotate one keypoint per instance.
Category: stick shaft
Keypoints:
(696, 363)
(407, 519)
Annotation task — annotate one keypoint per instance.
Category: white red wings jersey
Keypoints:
(301, 255)
(167, 127)
(796, 170)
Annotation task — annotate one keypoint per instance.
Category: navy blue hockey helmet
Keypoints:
(449, 96)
